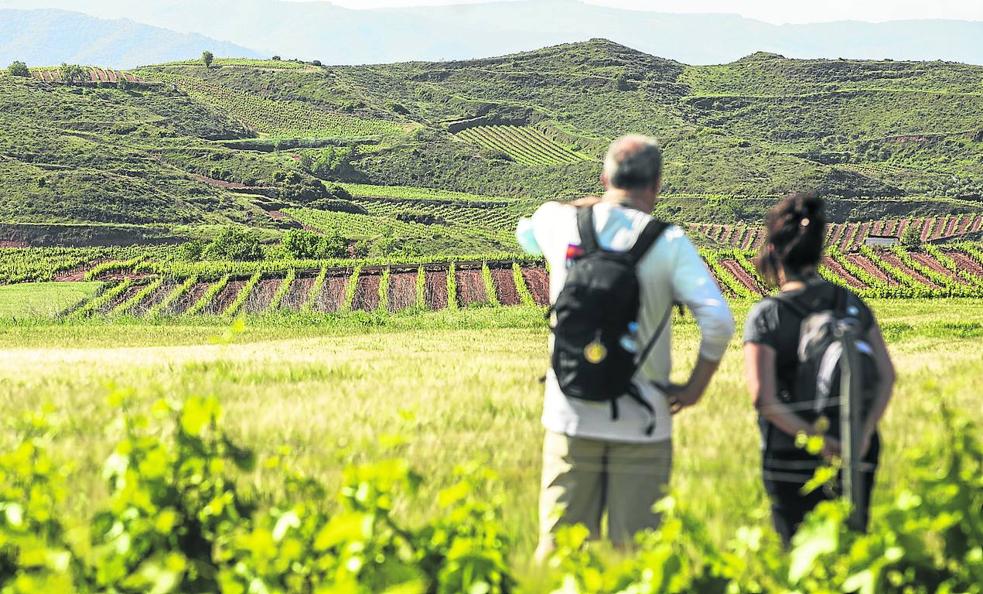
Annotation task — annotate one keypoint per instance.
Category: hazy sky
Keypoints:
(773, 11)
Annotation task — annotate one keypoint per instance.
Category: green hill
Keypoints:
(251, 142)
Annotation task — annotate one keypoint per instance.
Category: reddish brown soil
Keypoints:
(964, 223)
(977, 224)
(849, 232)
(893, 260)
(741, 275)
(891, 228)
(967, 263)
(225, 297)
(931, 263)
(877, 228)
(261, 296)
(861, 236)
(872, 269)
(332, 294)
(537, 281)
(296, 297)
(77, 274)
(950, 226)
(903, 226)
(436, 289)
(842, 273)
(402, 290)
(505, 286)
(836, 235)
(190, 297)
(120, 299)
(14, 244)
(367, 292)
(154, 298)
(470, 287)
(926, 228)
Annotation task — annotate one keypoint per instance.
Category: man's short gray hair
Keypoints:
(633, 162)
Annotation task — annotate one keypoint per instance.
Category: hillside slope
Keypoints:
(48, 37)
(244, 138)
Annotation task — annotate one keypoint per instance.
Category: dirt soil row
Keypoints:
(154, 298)
(470, 287)
(120, 299)
(332, 294)
(435, 292)
(837, 269)
(537, 281)
(402, 290)
(225, 297)
(190, 297)
(296, 297)
(505, 286)
(367, 292)
(261, 296)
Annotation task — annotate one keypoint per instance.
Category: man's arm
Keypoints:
(694, 286)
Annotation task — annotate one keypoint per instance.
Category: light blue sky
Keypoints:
(773, 11)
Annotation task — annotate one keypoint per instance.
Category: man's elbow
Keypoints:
(720, 328)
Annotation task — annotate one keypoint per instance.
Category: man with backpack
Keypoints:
(615, 275)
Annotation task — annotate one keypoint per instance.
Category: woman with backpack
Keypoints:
(792, 364)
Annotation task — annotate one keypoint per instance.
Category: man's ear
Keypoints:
(604, 180)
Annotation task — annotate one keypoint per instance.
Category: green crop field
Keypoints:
(43, 300)
(355, 389)
(523, 144)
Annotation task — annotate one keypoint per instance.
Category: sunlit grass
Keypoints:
(440, 389)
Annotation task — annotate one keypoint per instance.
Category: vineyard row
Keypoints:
(849, 236)
(896, 272)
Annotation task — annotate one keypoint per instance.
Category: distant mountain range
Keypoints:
(332, 34)
(46, 37)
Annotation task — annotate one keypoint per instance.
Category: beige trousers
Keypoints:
(584, 478)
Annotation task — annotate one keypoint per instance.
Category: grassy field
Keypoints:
(441, 389)
(39, 300)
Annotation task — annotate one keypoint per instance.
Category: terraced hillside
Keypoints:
(264, 144)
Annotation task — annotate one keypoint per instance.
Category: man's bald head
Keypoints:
(633, 163)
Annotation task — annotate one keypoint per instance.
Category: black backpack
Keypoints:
(594, 312)
(815, 392)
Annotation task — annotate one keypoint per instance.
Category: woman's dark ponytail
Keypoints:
(796, 227)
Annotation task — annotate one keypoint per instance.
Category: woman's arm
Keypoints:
(759, 366)
(885, 370)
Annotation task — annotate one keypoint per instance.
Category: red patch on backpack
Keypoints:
(574, 252)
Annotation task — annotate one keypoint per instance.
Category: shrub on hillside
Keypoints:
(305, 245)
(335, 205)
(17, 68)
(207, 58)
(192, 251)
(73, 73)
(912, 236)
(235, 243)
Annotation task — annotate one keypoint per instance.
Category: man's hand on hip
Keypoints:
(681, 396)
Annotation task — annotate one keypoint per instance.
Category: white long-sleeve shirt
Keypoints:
(671, 271)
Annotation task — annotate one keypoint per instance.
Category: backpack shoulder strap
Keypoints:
(791, 304)
(585, 224)
(647, 238)
(842, 297)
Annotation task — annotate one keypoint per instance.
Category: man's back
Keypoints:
(671, 271)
